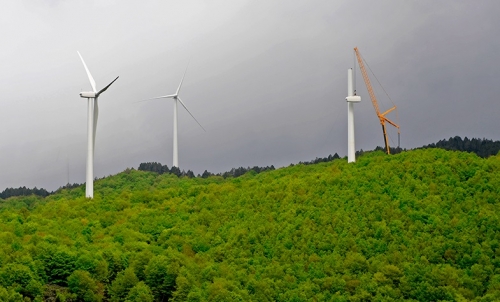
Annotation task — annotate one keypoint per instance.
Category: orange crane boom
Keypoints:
(381, 116)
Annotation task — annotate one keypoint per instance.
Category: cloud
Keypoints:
(267, 80)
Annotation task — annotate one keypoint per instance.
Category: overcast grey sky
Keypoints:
(267, 79)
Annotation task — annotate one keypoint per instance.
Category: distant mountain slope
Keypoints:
(422, 225)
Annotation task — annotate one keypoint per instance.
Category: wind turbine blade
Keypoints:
(179, 88)
(159, 97)
(96, 115)
(91, 79)
(182, 103)
(104, 89)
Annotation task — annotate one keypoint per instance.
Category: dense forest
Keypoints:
(482, 147)
(23, 191)
(235, 172)
(421, 225)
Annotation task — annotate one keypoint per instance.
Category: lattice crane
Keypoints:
(381, 116)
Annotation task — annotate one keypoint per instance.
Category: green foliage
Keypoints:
(85, 288)
(54, 292)
(140, 293)
(10, 295)
(124, 281)
(59, 262)
(422, 225)
(23, 191)
(20, 278)
(160, 277)
(482, 147)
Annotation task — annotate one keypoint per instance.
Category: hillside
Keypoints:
(481, 147)
(421, 225)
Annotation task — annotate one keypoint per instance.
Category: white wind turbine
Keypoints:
(92, 114)
(351, 99)
(176, 98)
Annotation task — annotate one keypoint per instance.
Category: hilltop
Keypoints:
(481, 147)
(421, 225)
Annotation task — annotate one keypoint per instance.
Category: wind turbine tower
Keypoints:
(175, 97)
(351, 99)
(92, 114)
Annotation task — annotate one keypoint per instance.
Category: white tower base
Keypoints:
(351, 99)
(351, 148)
(175, 162)
(89, 183)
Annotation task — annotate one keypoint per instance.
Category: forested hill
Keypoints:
(421, 225)
(482, 147)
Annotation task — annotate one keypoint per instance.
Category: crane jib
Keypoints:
(381, 116)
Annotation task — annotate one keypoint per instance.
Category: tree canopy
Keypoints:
(422, 225)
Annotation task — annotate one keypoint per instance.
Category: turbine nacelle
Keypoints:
(353, 99)
(88, 94)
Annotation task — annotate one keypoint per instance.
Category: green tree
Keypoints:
(140, 293)
(22, 279)
(59, 263)
(10, 295)
(160, 277)
(124, 281)
(86, 288)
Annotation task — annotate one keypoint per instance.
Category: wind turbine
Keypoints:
(92, 114)
(351, 99)
(175, 97)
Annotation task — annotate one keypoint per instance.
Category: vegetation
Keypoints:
(234, 172)
(421, 225)
(23, 191)
(482, 147)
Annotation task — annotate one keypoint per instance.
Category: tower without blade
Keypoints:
(351, 99)
(175, 97)
(92, 115)
(381, 116)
